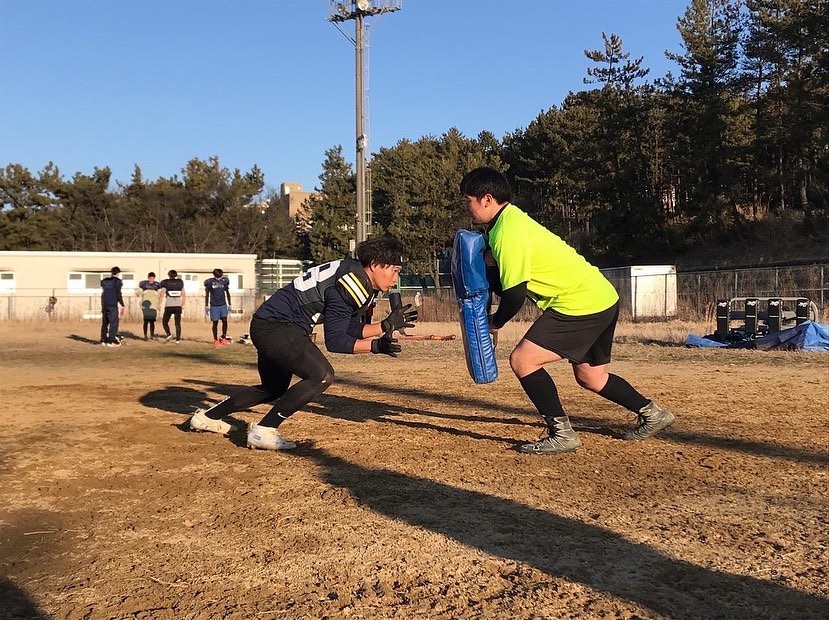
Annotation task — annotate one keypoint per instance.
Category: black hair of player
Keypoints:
(218, 273)
(151, 274)
(380, 250)
(484, 180)
(172, 273)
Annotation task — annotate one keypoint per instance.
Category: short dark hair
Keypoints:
(172, 273)
(151, 274)
(485, 180)
(115, 270)
(217, 273)
(380, 250)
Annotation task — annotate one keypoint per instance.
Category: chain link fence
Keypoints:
(696, 295)
(63, 305)
(696, 292)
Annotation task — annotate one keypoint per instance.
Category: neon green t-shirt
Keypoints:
(557, 276)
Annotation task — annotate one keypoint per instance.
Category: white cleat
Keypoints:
(200, 422)
(267, 438)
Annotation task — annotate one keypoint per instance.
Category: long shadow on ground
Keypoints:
(185, 400)
(674, 434)
(566, 548)
(16, 604)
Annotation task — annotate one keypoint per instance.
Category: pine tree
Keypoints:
(333, 209)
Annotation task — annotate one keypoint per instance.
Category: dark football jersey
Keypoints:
(336, 293)
(217, 288)
(173, 288)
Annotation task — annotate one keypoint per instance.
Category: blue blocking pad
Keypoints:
(472, 292)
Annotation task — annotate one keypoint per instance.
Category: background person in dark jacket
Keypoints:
(110, 300)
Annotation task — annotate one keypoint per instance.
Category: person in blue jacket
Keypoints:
(110, 300)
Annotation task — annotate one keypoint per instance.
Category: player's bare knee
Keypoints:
(515, 362)
(520, 365)
(591, 382)
(587, 383)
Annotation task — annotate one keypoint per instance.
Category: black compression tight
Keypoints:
(278, 362)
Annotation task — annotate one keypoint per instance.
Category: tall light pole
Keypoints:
(358, 10)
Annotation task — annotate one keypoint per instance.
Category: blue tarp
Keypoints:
(808, 336)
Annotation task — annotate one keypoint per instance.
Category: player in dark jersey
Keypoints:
(337, 295)
(217, 304)
(148, 292)
(173, 295)
(110, 300)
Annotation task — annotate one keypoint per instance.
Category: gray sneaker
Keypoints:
(561, 439)
(649, 421)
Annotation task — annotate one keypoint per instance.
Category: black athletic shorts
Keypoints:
(580, 339)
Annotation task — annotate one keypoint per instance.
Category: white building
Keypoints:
(645, 291)
(66, 285)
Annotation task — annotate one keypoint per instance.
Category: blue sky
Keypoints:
(271, 82)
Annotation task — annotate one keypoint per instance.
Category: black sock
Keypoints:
(273, 419)
(619, 391)
(542, 391)
(241, 400)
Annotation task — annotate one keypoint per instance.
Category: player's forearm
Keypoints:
(511, 301)
(362, 346)
(372, 330)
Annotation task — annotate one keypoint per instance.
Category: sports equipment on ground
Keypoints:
(200, 422)
(266, 438)
(472, 292)
(650, 420)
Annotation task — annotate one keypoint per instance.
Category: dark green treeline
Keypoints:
(631, 169)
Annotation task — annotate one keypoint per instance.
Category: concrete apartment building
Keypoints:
(293, 197)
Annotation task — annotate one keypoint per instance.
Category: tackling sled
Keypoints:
(472, 292)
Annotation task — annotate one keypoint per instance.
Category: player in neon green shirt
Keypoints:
(580, 309)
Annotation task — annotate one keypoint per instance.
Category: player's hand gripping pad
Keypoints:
(472, 292)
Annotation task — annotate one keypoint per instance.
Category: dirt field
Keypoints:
(406, 498)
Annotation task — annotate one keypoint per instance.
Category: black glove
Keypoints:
(386, 345)
(399, 318)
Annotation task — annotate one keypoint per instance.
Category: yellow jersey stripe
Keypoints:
(356, 292)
